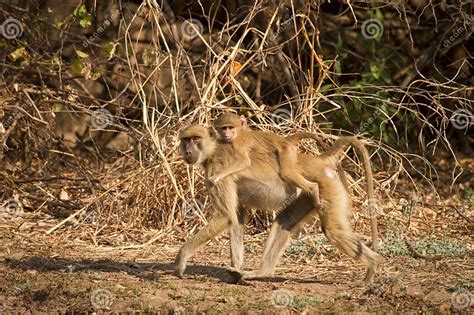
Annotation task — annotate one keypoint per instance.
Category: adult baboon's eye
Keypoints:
(196, 139)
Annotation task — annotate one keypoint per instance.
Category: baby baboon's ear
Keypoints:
(243, 121)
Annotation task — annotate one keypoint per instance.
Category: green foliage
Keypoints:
(429, 246)
(84, 17)
(309, 246)
(466, 281)
(433, 246)
(18, 54)
(367, 107)
(377, 72)
(77, 66)
(252, 248)
(395, 245)
(469, 196)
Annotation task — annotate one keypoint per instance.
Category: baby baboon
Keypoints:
(230, 129)
(260, 186)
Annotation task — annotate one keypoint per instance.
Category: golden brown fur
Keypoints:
(232, 129)
(260, 186)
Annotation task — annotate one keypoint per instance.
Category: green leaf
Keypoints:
(386, 78)
(325, 87)
(239, 100)
(379, 14)
(339, 43)
(110, 49)
(375, 70)
(55, 60)
(77, 66)
(150, 57)
(337, 67)
(95, 75)
(81, 54)
(60, 24)
(85, 19)
(19, 53)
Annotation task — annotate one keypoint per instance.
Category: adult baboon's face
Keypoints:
(196, 144)
(190, 149)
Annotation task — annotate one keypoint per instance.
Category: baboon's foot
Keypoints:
(179, 271)
(255, 274)
(370, 275)
(180, 265)
(236, 264)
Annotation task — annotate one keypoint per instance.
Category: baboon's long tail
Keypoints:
(335, 151)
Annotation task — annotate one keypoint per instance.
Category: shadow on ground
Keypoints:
(146, 271)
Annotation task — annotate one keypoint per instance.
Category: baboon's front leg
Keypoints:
(237, 241)
(215, 227)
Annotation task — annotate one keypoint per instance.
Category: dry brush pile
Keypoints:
(94, 92)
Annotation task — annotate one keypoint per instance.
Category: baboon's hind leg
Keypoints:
(337, 229)
(288, 222)
(292, 174)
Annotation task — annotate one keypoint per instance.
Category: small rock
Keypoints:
(64, 196)
(120, 287)
(415, 291)
(437, 297)
(230, 300)
(15, 256)
(445, 308)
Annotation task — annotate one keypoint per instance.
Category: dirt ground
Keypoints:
(51, 273)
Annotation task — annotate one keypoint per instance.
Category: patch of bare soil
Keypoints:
(56, 274)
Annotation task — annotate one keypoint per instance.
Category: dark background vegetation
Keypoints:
(94, 92)
(95, 200)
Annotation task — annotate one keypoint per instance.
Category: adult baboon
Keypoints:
(260, 186)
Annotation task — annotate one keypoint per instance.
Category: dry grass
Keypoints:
(138, 197)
